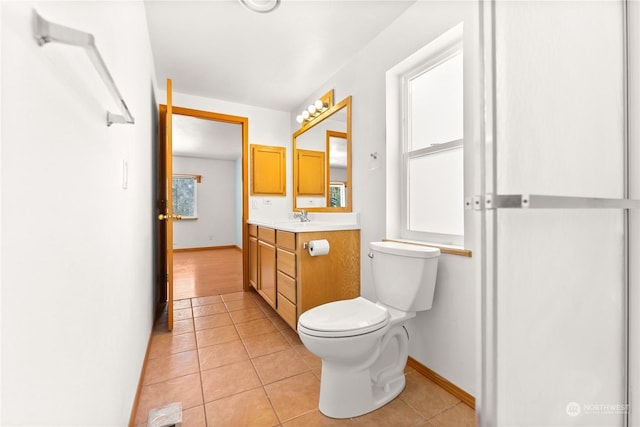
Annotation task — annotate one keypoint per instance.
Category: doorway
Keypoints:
(195, 133)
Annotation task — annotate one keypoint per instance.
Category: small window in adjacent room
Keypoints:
(430, 122)
(185, 196)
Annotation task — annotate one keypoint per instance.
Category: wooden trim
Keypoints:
(136, 400)
(451, 388)
(342, 104)
(206, 248)
(444, 249)
(244, 123)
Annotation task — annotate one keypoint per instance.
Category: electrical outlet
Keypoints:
(267, 202)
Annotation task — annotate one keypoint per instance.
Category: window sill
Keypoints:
(450, 250)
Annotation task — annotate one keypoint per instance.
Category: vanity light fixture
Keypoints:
(317, 108)
(261, 6)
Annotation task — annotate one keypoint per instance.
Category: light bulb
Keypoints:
(305, 114)
(299, 118)
(311, 109)
(319, 105)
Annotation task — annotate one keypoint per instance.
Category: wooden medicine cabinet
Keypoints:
(268, 171)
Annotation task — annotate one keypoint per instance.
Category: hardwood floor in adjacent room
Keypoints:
(201, 273)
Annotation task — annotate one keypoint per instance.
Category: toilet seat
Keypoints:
(345, 318)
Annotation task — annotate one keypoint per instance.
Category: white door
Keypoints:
(558, 215)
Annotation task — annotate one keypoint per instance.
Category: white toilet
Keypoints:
(364, 345)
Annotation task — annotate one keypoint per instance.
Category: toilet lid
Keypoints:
(344, 318)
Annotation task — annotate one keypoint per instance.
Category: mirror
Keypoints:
(322, 161)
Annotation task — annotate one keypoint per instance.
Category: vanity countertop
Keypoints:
(296, 226)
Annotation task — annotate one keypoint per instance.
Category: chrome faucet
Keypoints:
(303, 215)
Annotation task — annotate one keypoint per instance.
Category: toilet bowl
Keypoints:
(364, 345)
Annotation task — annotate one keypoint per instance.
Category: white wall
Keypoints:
(217, 214)
(76, 246)
(266, 127)
(442, 338)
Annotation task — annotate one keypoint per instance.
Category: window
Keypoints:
(337, 194)
(430, 123)
(185, 195)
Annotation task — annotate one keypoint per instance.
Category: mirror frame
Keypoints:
(345, 103)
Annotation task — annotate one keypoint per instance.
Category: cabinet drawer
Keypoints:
(287, 311)
(267, 234)
(287, 262)
(253, 230)
(287, 286)
(286, 239)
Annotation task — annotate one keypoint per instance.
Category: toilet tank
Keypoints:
(404, 275)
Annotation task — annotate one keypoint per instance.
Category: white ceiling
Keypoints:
(219, 49)
(193, 137)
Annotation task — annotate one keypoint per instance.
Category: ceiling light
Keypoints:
(261, 6)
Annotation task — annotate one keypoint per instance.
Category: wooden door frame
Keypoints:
(225, 118)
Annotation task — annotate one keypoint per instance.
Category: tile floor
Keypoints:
(232, 361)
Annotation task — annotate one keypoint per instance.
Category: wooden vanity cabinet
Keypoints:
(292, 281)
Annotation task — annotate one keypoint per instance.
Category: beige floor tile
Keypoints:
(172, 366)
(259, 345)
(184, 389)
(276, 366)
(234, 296)
(179, 326)
(294, 396)
(316, 419)
(255, 327)
(246, 314)
(208, 310)
(214, 321)
(221, 354)
(394, 414)
(291, 336)
(459, 416)
(426, 397)
(183, 303)
(221, 368)
(240, 304)
(215, 299)
(250, 408)
(228, 380)
(182, 314)
(267, 309)
(171, 343)
(194, 417)
(279, 323)
(213, 336)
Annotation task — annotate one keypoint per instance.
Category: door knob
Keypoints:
(164, 217)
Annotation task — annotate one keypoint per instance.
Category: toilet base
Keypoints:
(346, 394)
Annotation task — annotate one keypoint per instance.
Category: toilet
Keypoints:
(364, 345)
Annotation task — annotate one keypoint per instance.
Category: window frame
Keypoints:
(428, 61)
(196, 180)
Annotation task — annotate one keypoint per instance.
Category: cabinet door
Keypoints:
(311, 173)
(253, 262)
(268, 170)
(267, 272)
